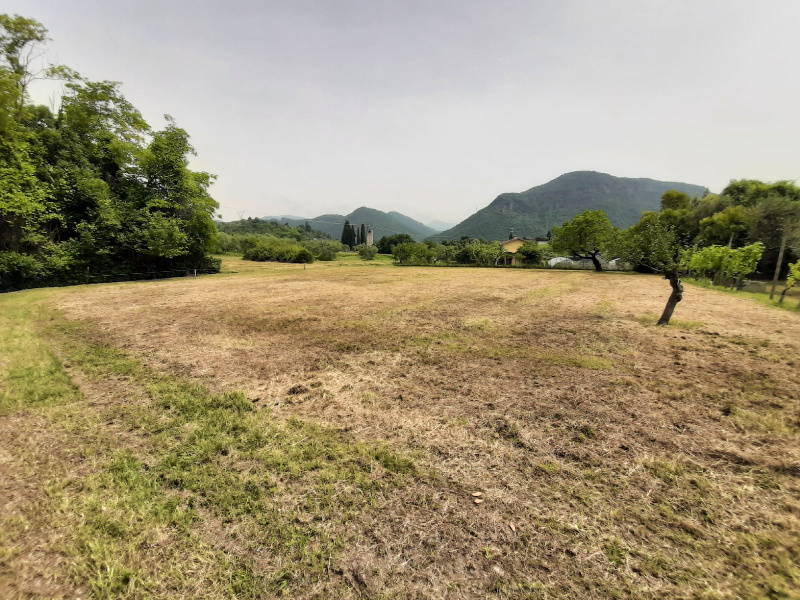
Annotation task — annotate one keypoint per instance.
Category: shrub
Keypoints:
(533, 253)
(18, 270)
(387, 243)
(324, 249)
(366, 252)
(413, 253)
(277, 250)
(225, 242)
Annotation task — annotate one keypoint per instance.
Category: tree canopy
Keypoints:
(586, 236)
(91, 186)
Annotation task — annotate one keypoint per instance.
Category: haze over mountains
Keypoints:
(530, 213)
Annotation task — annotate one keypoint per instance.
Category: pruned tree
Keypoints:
(653, 244)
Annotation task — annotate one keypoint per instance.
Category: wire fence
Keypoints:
(145, 275)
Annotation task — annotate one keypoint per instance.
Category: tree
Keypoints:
(20, 41)
(412, 252)
(776, 221)
(586, 236)
(653, 244)
(363, 236)
(367, 252)
(739, 263)
(91, 187)
(725, 226)
(791, 280)
(707, 262)
(349, 235)
(387, 243)
(675, 200)
(532, 253)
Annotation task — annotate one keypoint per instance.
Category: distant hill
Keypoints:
(536, 211)
(381, 222)
(440, 225)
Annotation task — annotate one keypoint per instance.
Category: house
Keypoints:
(511, 246)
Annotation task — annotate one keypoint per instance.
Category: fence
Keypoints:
(145, 275)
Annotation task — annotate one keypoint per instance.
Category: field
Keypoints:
(354, 430)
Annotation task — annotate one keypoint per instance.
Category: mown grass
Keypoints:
(789, 303)
(30, 373)
(624, 473)
(191, 467)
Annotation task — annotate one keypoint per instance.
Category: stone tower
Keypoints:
(370, 238)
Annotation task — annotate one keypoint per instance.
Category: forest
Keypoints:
(90, 186)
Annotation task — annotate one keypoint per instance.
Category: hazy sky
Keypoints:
(433, 107)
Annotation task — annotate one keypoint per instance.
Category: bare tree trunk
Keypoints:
(730, 241)
(675, 297)
(596, 262)
(778, 266)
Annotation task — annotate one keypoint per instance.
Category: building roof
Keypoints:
(514, 239)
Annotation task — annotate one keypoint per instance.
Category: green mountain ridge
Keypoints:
(382, 223)
(536, 211)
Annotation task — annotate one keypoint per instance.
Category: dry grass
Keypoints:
(615, 458)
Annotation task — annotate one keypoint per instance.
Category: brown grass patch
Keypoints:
(632, 461)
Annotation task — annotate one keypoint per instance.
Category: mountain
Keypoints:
(382, 223)
(536, 211)
(440, 225)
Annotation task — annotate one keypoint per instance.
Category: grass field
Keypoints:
(358, 430)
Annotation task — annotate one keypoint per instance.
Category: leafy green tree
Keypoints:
(739, 263)
(366, 252)
(363, 234)
(265, 248)
(20, 39)
(91, 187)
(324, 250)
(725, 226)
(791, 280)
(444, 253)
(387, 243)
(533, 253)
(776, 222)
(653, 244)
(675, 200)
(413, 253)
(586, 236)
(708, 262)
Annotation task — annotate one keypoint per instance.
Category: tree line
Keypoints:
(751, 227)
(90, 186)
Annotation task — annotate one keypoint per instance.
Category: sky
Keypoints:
(432, 108)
